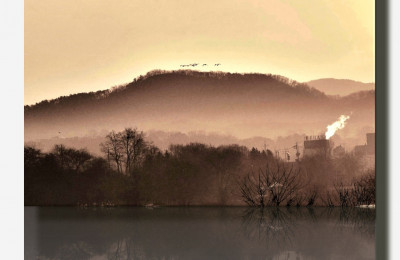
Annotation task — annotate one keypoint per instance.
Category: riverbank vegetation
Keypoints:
(135, 172)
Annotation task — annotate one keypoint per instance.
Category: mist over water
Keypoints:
(199, 233)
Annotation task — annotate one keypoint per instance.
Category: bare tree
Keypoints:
(113, 149)
(312, 196)
(282, 183)
(126, 148)
(363, 191)
(328, 199)
(31, 156)
(253, 190)
(70, 158)
(134, 148)
(271, 187)
(343, 193)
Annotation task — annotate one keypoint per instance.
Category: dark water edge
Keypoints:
(199, 233)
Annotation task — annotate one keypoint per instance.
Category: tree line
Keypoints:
(132, 171)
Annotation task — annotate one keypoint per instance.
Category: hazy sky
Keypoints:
(80, 46)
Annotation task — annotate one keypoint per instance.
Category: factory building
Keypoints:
(338, 151)
(316, 145)
(368, 148)
(366, 152)
(371, 143)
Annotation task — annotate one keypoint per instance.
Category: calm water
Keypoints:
(199, 233)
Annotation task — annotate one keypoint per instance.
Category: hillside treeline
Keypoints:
(180, 101)
(155, 75)
(132, 171)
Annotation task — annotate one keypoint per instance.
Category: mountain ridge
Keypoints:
(243, 105)
(342, 87)
(142, 81)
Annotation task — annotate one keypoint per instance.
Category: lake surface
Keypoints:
(199, 233)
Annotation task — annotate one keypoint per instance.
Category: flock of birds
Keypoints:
(196, 64)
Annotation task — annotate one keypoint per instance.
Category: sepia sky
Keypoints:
(80, 46)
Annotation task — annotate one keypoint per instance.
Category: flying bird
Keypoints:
(217, 64)
(193, 65)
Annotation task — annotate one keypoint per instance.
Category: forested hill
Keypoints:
(243, 105)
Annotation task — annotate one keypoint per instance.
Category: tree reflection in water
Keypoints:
(199, 233)
(272, 225)
(360, 220)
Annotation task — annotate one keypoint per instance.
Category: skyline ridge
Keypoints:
(160, 71)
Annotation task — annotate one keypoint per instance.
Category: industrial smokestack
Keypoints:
(339, 124)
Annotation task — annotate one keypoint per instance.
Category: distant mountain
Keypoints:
(240, 105)
(340, 87)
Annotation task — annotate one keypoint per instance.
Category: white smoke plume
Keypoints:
(339, 124)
